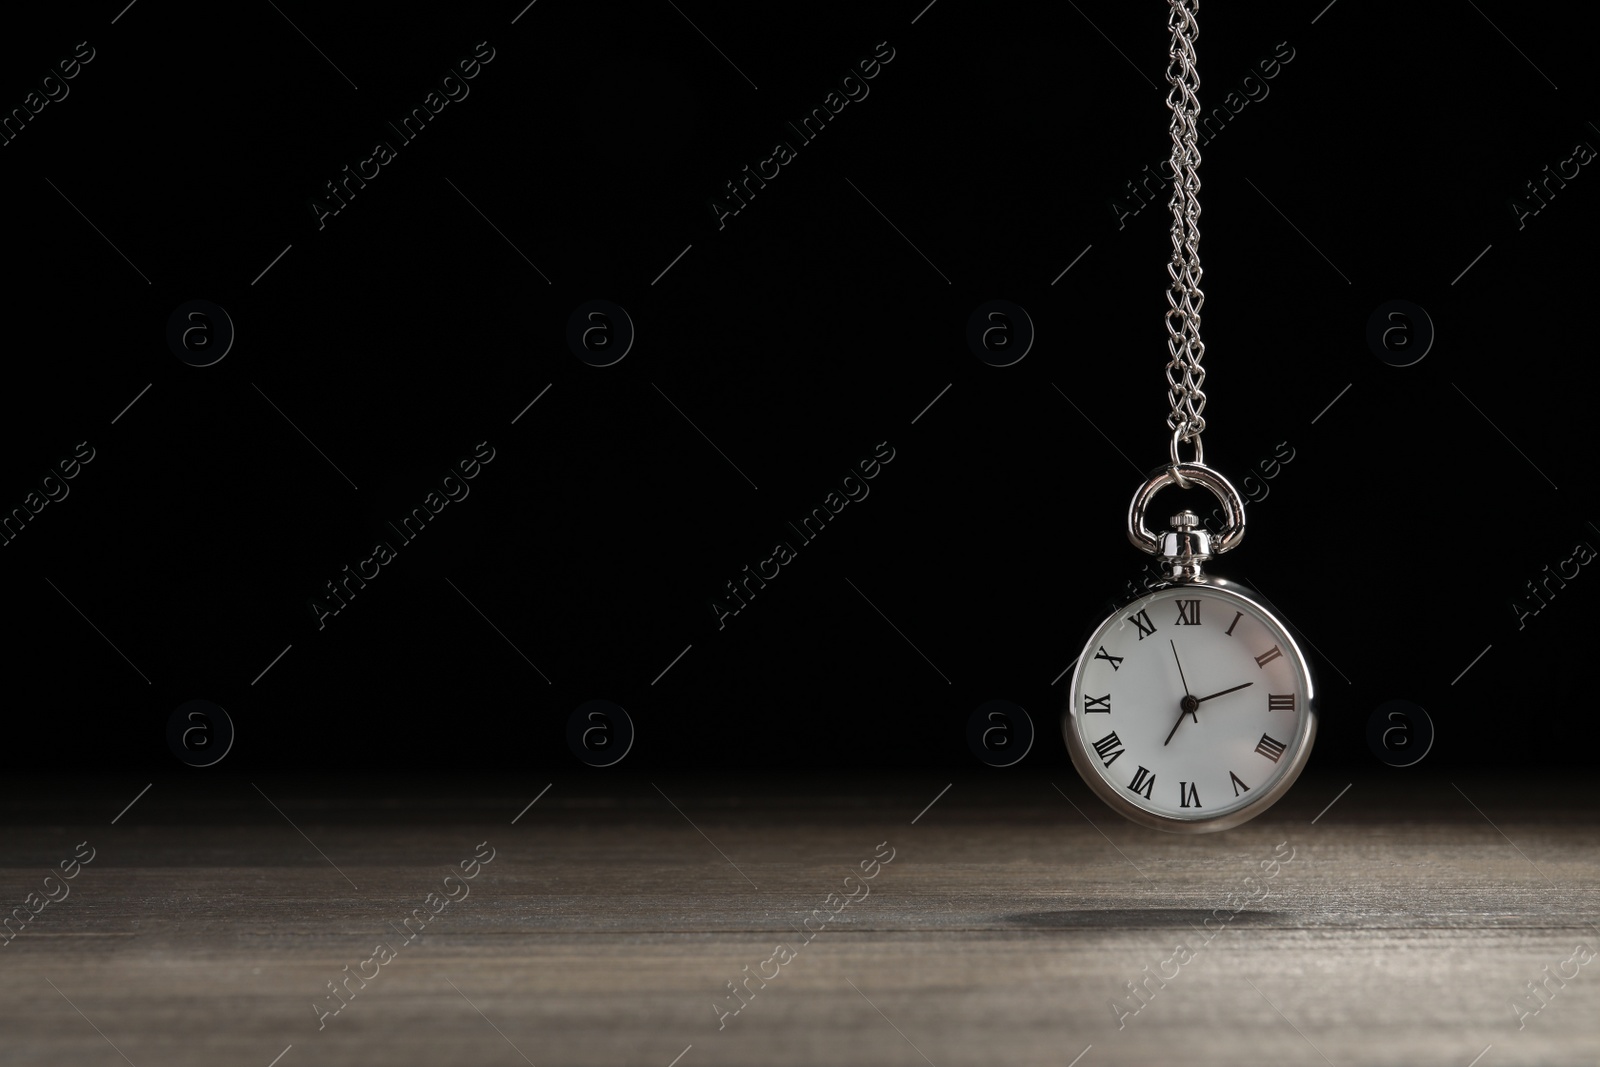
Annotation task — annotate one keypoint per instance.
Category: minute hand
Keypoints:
(1224, 692)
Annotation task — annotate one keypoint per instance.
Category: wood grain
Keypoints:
(608, 923)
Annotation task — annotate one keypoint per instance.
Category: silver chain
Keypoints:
(1184, 299)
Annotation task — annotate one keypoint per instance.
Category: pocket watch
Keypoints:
(1192, 707)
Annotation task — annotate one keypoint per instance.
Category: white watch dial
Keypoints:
(1192, 703)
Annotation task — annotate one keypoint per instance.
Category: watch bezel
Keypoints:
(1083, 762)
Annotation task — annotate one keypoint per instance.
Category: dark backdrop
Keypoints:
(1376, 155)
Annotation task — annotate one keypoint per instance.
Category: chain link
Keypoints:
(1184, 299)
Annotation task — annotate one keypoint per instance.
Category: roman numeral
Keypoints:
(1235, 622)
(1280, 701)
(1268, 656)
(1270, 748)
(1115, 661)
(1109, 748)
(1188, 792)
(1101, 704)
(1188, 613)
(1143, 780)
(1142, 621)
(1237, 784)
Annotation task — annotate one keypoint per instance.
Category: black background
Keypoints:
(796, 338)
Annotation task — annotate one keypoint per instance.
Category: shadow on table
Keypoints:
(1138, 919)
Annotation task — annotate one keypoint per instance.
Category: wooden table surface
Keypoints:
(616, 910)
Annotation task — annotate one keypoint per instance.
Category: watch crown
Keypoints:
(1185, 547)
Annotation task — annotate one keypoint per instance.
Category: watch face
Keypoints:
(1191, 708)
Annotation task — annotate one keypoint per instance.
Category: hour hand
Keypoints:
(1224, 692)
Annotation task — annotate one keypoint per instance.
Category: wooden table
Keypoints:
(1006, 928)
